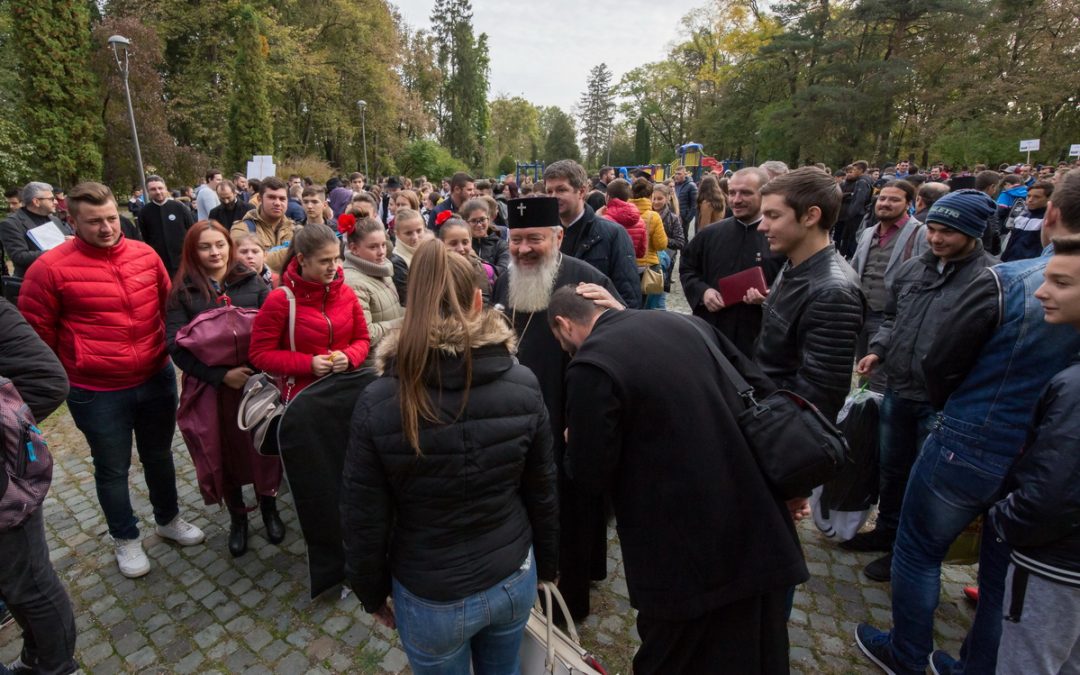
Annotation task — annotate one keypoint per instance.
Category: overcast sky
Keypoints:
(542, 51)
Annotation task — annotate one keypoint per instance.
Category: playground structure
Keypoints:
(523, 169)
(691, 155)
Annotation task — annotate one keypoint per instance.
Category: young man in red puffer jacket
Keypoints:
(98, 301)
(620, 210)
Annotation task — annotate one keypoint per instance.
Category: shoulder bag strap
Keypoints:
(292, 332)
(292, 317)
(741, 385)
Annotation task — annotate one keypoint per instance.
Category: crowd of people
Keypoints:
(521, 393)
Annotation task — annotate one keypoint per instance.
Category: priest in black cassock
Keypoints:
(537, 268)
(725, 248)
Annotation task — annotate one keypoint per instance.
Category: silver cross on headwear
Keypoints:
(521, 209)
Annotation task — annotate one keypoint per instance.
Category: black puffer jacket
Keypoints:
(461, 516)
(607, 247)
(917, 302)
(246, 289)
(812, 318)
(494, 251)
(1040, 514)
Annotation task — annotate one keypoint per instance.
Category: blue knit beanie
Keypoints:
(964, 211)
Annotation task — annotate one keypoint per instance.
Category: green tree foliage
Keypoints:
(251, 129)
(58, 103)
(959, 81)
(462, 57)
(506, 165)
(515, 130)
(561, 139)
(427, 158)
(642, 146)
(159, 149)
(596, 109)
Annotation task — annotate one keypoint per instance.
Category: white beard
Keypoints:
(530, 288)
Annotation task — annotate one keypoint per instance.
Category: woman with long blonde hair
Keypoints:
(449, 504)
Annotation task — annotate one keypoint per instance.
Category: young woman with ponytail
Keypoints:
(448, 495)
(331, 334)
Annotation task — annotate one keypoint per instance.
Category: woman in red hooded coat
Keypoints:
(331, 335)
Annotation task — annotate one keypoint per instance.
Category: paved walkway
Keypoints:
(200, 610)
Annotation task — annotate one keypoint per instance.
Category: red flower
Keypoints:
(443, 217)
(346, 224)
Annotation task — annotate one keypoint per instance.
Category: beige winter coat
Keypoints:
(374, 286)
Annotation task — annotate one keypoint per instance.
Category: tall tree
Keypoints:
(596, 110)
(59, 106)
(642, 146)
(159, 149)
(561, 140)
(515, 130)
(250, 125)
(463, 59)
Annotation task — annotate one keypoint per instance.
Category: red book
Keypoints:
(734, 286)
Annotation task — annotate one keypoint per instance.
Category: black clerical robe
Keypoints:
(719, 250)
(583, 530)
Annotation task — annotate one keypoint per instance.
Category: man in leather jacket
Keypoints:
(815, 309)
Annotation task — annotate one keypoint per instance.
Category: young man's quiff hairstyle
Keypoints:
(94, 194)
(1046, 186)
(567, 170)
(272, 183)
(806, 187)
(1067, 245)
(1066, 200)
(460, 180)
(314, 191)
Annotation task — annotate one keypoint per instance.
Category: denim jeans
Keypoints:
(36, 599)
(904, 426)
(659, 300)
(484, 629)
(952, 483)
(107, 419)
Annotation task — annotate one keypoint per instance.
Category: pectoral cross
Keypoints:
(521, 209)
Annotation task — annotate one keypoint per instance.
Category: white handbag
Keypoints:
(547, 650)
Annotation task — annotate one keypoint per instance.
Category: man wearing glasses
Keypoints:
(39, 205)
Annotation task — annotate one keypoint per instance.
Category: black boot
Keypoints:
(275, 529)
(238, 533)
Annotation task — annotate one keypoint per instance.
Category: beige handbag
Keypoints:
(546, 649)
(652, 281)
(262, 404)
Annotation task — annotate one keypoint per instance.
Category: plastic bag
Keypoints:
(842, 505)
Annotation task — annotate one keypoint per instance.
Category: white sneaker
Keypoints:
(182, 532)
(131, 558)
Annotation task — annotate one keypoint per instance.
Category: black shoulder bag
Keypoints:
(796, 447)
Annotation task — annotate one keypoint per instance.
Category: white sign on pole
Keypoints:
(1074, 150)
(1029, 145)
(261, 166)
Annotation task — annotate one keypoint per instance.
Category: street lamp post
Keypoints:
(363, 132)
(119, 43)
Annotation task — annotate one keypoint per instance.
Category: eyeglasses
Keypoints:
(479, 221)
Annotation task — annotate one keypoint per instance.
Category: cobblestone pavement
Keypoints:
(200, 610)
